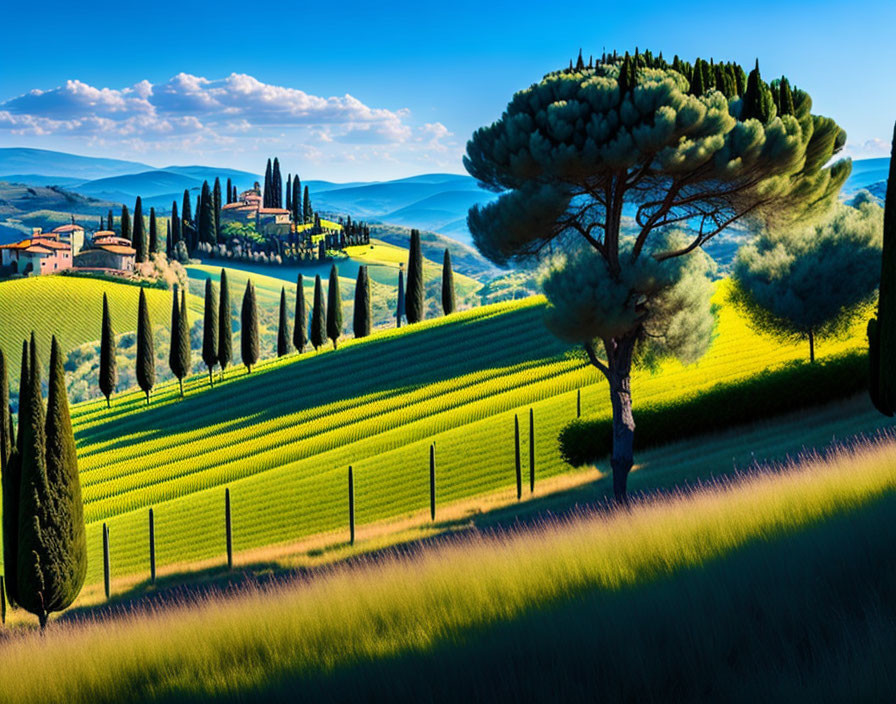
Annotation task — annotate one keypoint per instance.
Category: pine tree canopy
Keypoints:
(318, 334)
(210, 328)
(300, 328)
(225, 325)
(108, 370)
(249, 327)
(334, 307)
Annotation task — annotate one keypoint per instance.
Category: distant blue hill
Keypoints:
(18, 160)
(42, 180)
(866, 172)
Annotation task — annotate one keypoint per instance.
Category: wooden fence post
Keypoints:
(531, 451)
(152, 548)
(351, 505)
(228, 525)
(107, 566)
(432, 481)
(519, 469)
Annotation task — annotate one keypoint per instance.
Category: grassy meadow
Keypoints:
(769, 587)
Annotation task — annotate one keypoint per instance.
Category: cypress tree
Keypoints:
(9, 478)
(63, 535)
(225, 325)
(449, 302)
(334, 307)
(186, 214)
(146, 369)
(882, 329)
(785, 106)
(126, 223)
(108, 370)
(216, 203)
(249, 328)
(207, 216)
(277, 195)
(34, 497)
(414, 292)
(399, 309)
(757, 100)
(175, 225)
(110, 220)
(698, 86)
(229, 192)
(140, 243)
(307, 211)
(210, 330)
(268, 186)
(300, 328)
(169, 252)
(318, 316)
(234, 197)
(283, 326)
(288, 205)
(361, 313)
(153, 232)
(296, 199)
(179, 356)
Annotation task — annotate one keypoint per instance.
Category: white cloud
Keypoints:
(868, 150)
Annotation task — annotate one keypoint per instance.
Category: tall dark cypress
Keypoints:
(334, 307)
(277, 200)
(229, 195)
(414, 292)
(126, 223)
(249, 328)
(757, 99)
(233, 198)
(283, 326)
(169, 252)
(786, 99)
(300, 328)
(108, 369)
(297, 200)
(146, 355)
(399, 308)
(63, 534)
(153, 232)
(216, 207)
(179, 357)
(186, 221)
(361, 313)
(225, 325)
(307, 210)
(140, 243)
(207, 216)
(9, 480)
(318, 316)
(882, 329)
(110, 221)
(449, 302)
(268, 186)
(210, 330)
(288, 204)
(175, 225)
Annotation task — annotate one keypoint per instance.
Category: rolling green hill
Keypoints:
(283, 438)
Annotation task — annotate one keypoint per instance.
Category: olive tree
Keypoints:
(812, 283)
(574, 153)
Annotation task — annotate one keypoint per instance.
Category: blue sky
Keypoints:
(349, 91)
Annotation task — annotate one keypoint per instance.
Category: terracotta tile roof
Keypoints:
(67, 228)
(104, 233)
(52, 244)
(24, 244)
(232, 206)
(117, 249)
(39, 249)
(271, 211)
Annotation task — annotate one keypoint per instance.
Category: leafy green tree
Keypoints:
(571, 152)
(179, 356)
(361, 314)
(414, 302)
(449, 302)
(146, 369)
(812, 283)
(300, 327)
(210, 330)
(225, 326)
(882, 328)
(249, 328)
(318, 316)
(126, 224)
(283, 326)
(334, 307)
(153, 232)
(108, 369)
(140, 243)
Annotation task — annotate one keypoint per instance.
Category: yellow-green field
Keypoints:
(731, 589)
(71, 308)
(282, 439)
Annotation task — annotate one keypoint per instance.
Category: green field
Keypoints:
(283, 438)
(71, 308)
(772, 588)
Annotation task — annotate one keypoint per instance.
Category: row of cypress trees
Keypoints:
(44, 541)
(411, 299)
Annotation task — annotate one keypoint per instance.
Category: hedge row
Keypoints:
(792, 387)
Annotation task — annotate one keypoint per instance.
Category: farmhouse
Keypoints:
(42, 253)
(248, 209)
(108, 251)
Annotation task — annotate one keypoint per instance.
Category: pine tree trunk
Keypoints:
(811, 346)
(42, 618)
(181, 382)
